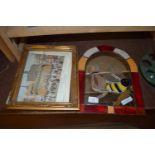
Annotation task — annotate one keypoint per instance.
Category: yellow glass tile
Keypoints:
(110, 109)
(82, 63)
(133, 65)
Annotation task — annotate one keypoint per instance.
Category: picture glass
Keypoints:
(46, 77)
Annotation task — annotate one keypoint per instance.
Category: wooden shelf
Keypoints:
(136, 45)
(10, 49)
(25, 31)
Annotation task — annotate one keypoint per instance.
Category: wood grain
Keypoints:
(4, 48)
(24, 31)
(8, 48)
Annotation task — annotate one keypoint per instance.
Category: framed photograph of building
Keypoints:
(46, 79)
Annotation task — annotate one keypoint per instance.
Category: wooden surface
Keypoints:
(5, 49)
(25, 31)
(27, 120)
(8, 48)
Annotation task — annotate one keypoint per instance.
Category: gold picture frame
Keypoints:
(37, 62)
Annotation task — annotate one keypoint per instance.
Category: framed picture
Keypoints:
(46, 79)
(109, 82)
